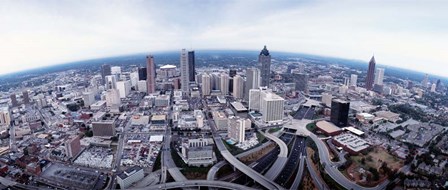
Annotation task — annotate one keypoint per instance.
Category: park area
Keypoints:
(374, 167)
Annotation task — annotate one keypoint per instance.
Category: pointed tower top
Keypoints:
(372, 60)
(264, 51)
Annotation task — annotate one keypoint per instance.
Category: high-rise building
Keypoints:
(224, 84)
(191, 66)
(438, 84)
(124, 88)
(237, 128)
(264, 60)
(151, 74)
(232, 72)
(425, 81)
(206, 88)
(88, 98)
(353, 80)
(141, 86)
(113, 98)
(271, 107)
(301, 68)
(142, 73)
(215, 82)
(5, 116)
(26, 97)
(252, 81)
(301, 82)
(103, 128)
(105, 71)
(134, 78)
(238, 86)
(254, 99)
(433, 87)
(339, 112)
(115, 70)
(72, 146)
(379, 76)
(13, 98)
(370, 74)
(111, 82)
(184, 72)
(327, 98)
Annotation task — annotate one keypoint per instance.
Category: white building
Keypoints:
(113, 98)
(130, 176)
(206, 88)
(379, 76)
(252, 80)
(124, 87)
(271, 107)
(353, 80)
(433, 87)
(134, 78)
(254, 99)
(141, 86)
(326, 99)
(5, 116)
(162, 101)
(184, 71)
(238, 87)
(115, 70)
(88, 98)
(224, 84)
(237, 127)
(111, 82)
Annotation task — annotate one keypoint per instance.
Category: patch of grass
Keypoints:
(158, 163)
(311, 127)
(261, 138)
(273, 130)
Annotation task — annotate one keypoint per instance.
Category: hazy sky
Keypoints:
(409, 34)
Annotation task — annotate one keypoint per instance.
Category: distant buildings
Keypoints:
(124, 88)
(224, 84)
(379, 76)
(13, 98)
(252, 81)
(26, 97)
(128, 177)
(301, 82)
(151, 74)
(353, 80)
(264, 60)
(370, 74)
(339, 112)
(238, 87)
(206, 87)
(184, 72)
(425, 81)
(191, 66)
(105, 71)
(116, 70)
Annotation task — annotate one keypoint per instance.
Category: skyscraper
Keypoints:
(206, 88)
(425, 81)
(238, 86)
(379, 76)
(142, 73)
(353, 80)
(191, 66)
(105, 70)
(264, 60)
(271, 107)
(151, 74)
(184, 71)
(339, 112)
(301, 82)
(252, 81)
(370, 74)
(111, 82)
(13, 98)
(26, 97)
(232, 72)
(224, 84)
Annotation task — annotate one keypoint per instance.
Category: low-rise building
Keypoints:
(351, 143)
(328, 128)
(130, 176)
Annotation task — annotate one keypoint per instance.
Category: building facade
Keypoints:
(264, 60)
(151, 74)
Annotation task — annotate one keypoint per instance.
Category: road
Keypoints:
(197, 183)
(299, 174)
(282, 158)
(167, 160)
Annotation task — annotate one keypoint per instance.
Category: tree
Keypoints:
(375, 174)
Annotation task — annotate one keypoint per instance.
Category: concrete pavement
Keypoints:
(299, 175)
(197, 183)
(282, 158)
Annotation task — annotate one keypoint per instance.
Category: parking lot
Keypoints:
(97, 157)
(139, 150)
(70, 177)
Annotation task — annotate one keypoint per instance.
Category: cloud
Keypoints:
(405, 34)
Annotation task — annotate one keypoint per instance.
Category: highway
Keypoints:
(321, 185)
(299, 174)
(282, 158)
(197, 183)
(167, 160)
(269, 184)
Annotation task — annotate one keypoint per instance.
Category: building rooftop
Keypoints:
(125, 174)
(354, 131)
(327, 126)
(238, 106)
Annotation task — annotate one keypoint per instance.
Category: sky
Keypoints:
(406, 33)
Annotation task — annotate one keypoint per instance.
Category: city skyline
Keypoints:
(65, 32)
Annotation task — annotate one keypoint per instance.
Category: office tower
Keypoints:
(237, 128)
(379, 76)
(13, 98)
(370, 74)
(264, 60)
(103, 128)
(346, 81)
(433, 87)
(134, 78)
(88, 98)
(271, 107)
(151, 74)
(141, 86)
(224, 84)
(191, 65)
(232, 72)
(339, 112)
(215, 82)
(301, 68)
(425, 81)
(5, 116)
(111, 82)
(254, 99)
(142, 73)
(301, 82)
(72, 146)
(184, 71)
(230, 85)
(327, 98)
(353, 80)
(105, 71)
(206, 88)
(124, 88)
(238, 86)
(115, 70)
(26, 97)
(113, 98)
(252, 81)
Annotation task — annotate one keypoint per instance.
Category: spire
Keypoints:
(264, 51)
(372, 60)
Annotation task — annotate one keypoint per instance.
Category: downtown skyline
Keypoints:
(66, 32)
